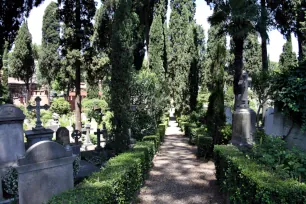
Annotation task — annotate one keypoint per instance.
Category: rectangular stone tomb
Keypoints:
(11, 133)
(46, 170)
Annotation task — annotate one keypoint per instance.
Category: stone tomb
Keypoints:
(62, 136)
(11, 133)
(46, 170)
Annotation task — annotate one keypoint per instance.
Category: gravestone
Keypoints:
(38, 133)
(11, 133)
(244, 118)
(62, 136)
(269, 117)
(45, 171)
(228, 115)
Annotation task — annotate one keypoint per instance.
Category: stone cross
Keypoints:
(37, 108)
(76, 135)
(98, 133)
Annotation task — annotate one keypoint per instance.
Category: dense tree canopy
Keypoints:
(49, 61)
(22, 62)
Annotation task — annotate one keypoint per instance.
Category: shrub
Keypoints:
(117, 182)
(162, 131)
(154, 138)
(45, 116)
(226, 134)
(10, 181)
(246, 181)
(194, 133)
(204, 145)
(60, 106)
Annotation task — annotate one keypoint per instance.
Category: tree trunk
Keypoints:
(78, 120)
(263, 30)
(257, 116)
(238, 63)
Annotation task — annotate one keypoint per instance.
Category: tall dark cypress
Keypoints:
(77, 16)
(49, 61)
(22, 61)
(121, 59)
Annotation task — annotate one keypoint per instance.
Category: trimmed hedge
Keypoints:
(154, 138)
(117, 182)
(204, 145)
(194, 133)
(246, 181)
(162, 131)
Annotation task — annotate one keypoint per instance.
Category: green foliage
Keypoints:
(117, 182)
(22, 60)
(162, 131)
(273, 153)
(289, 91)
(45, 116)
(12, 16)
(261, 85)
(122, 62)
(226, 133)
(287, 60)
(60, 106)
(10, 181)
(252, 55)
(246, 181)
(181, 47)
(89, 106)
(204, 145)
(195, 132)
(154, 138)
(4, 89)
(49, 60)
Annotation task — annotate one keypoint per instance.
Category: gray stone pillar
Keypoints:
(244, 121)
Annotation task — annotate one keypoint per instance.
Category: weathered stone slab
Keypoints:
(46, 170)
(11, 133)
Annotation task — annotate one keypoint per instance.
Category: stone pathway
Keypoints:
(178, 177)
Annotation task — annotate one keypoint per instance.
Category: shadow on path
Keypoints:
(178, 176)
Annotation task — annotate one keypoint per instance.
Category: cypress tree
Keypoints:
(49, 62)
(22, 62)
(77, 16)
(252, 54)
(12, 15)
(197, 50)
(215, 112)
(121, 59)
(287, 59)
(212, 54)
(4, 89)
(181, 39)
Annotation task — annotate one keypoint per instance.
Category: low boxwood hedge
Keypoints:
(154, 138)
(204, 145)
(117, 182)
(194, 133)
(246, 181)
(162, 131)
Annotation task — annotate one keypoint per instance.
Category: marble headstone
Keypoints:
(269, 116)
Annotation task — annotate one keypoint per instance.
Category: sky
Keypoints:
(203, 11)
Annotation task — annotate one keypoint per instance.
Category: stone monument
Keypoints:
(44, 171)
(11, 138)
(244, 118)
(38, 133)
(62, 136)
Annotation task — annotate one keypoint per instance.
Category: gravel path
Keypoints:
(178, 177)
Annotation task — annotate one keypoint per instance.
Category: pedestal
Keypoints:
(244, 121)
(34, 136)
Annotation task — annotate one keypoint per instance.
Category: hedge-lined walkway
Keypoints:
(178, 176)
